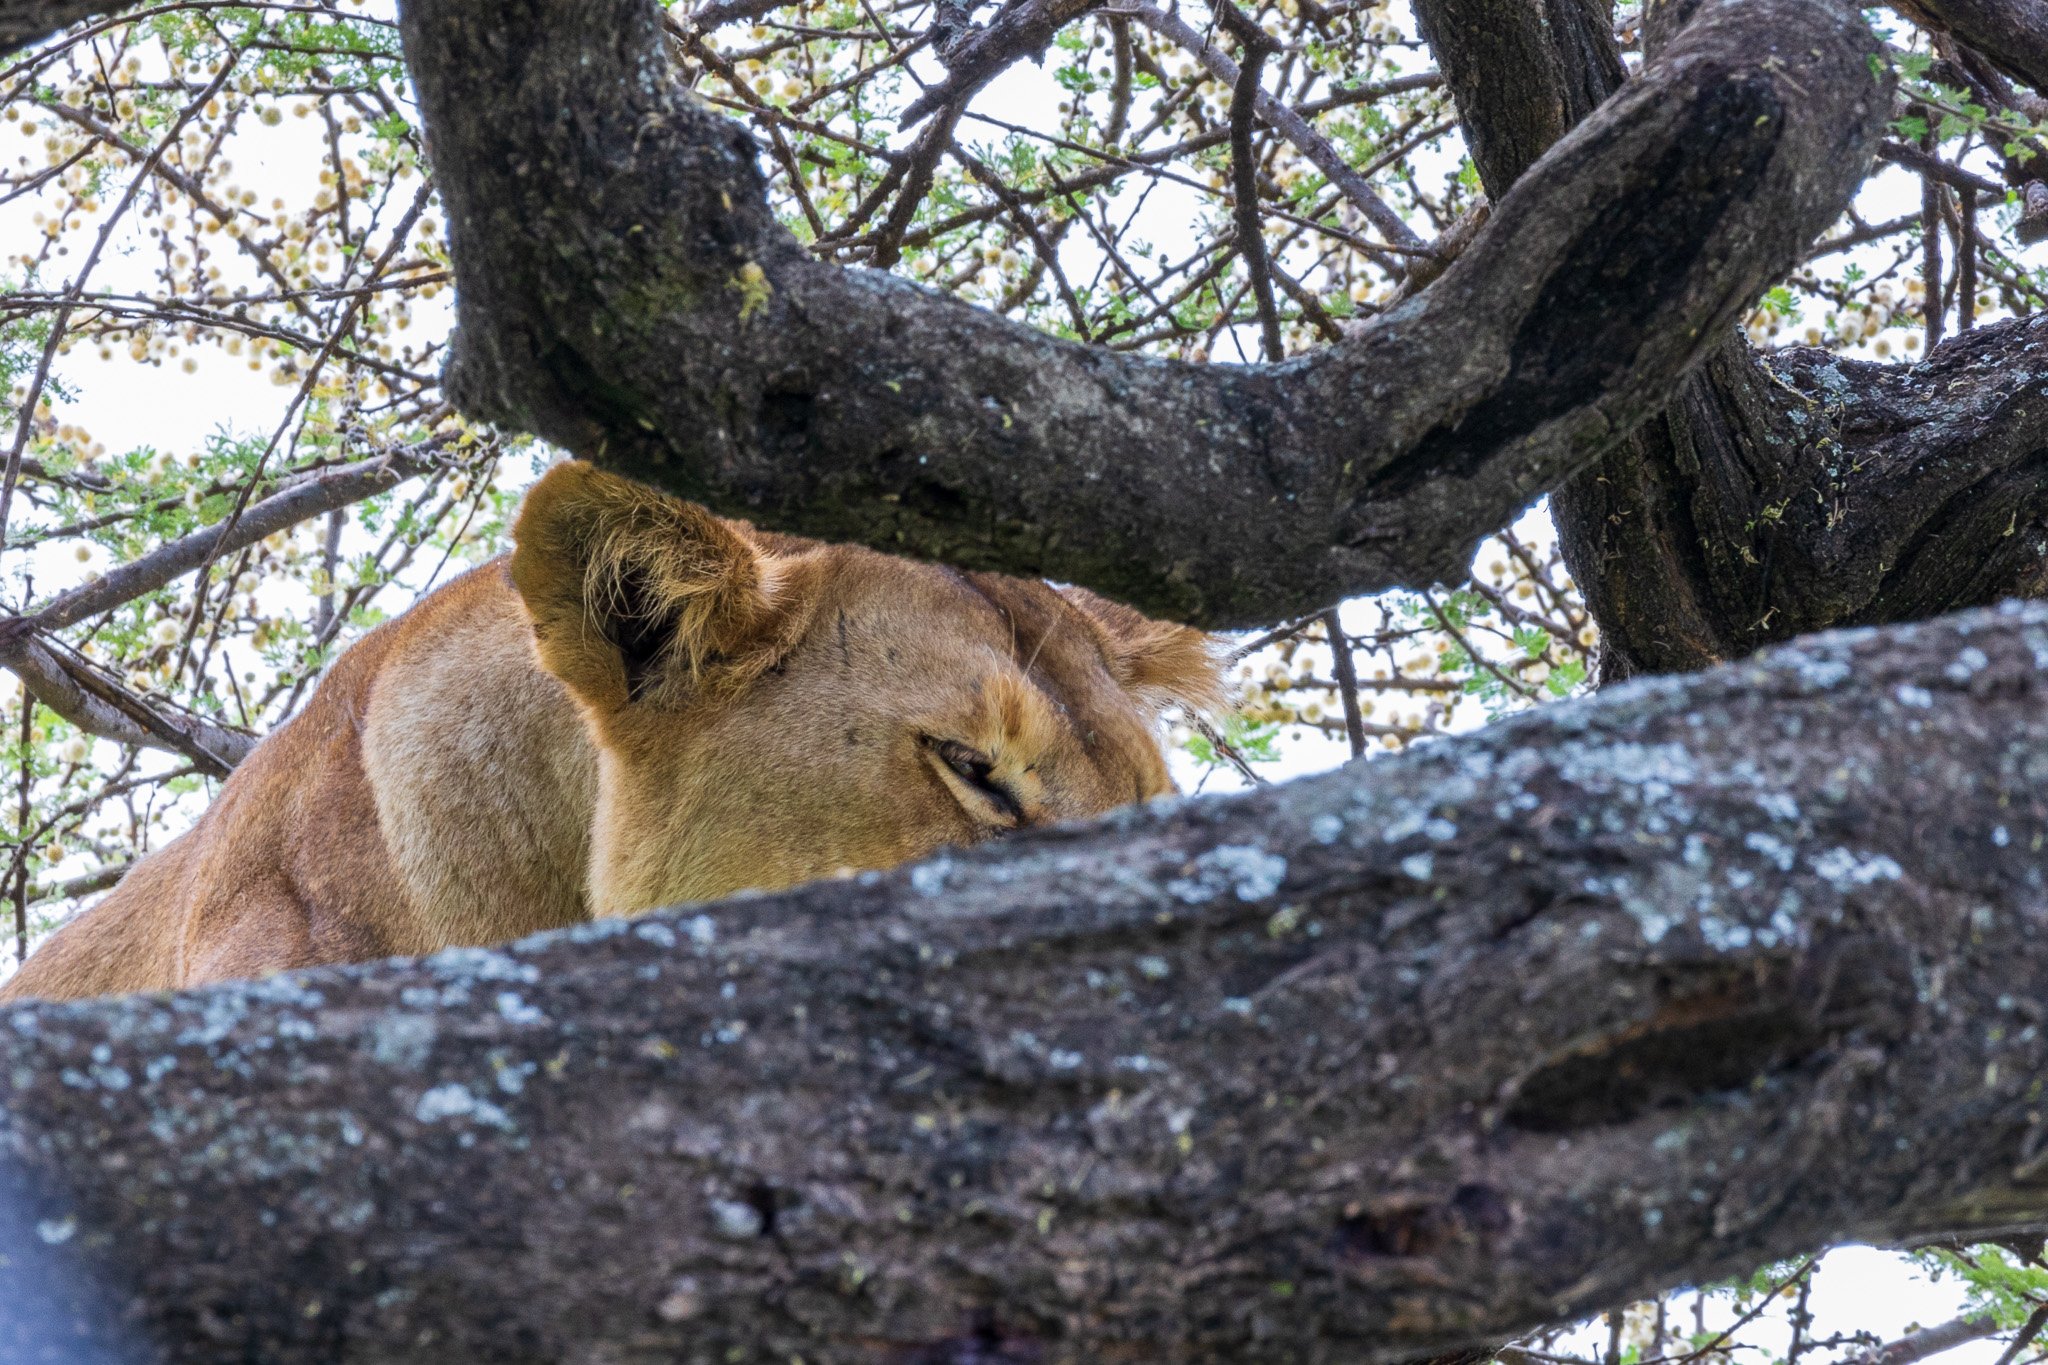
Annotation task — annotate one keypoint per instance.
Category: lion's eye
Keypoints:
(977, 770)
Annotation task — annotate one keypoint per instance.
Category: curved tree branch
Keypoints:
(627, 294)
(1647, 988)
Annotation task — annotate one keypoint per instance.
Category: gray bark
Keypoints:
(1625, 992)
(1773, 497)
(2012, 33)
(626, 293)
(23, 22)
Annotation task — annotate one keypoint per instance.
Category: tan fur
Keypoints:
(643, 704)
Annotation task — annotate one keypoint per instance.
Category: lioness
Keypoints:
(642, 704)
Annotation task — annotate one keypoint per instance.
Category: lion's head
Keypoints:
(770, 710)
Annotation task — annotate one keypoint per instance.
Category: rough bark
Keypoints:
(2012, 33)
(1625, 992)
(1777, 496)
(627, 294)
(1806, 491)
(23, 22)
(1524, 73)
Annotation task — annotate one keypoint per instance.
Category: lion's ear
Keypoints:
(1159, 662)
(639, 596)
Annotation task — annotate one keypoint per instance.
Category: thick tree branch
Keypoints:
(23, 22)
(2012, 34)
(626, 293)
(1771, 499)
(1809, 491)
(1642, 989)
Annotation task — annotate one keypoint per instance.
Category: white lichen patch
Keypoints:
(402, 1040)
(468, 965)
(514, 1010)
(929, 879)
(1779, 806)
(1967, 665)
(735, 1219)
(1845, 870)
(1655, 768)
(1245, 870)
(655, 932)
(455, 1101)
(1780, 853)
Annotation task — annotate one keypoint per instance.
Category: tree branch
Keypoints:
(627, 294)
(1376, 1063)
(1021, 30)
(23, 22)
(1931, 1341)
(1774, 498)
(322, 491)
(1244, 174)
(1809, 491)
(101, 707)
(2012, 34)
(1524, 72)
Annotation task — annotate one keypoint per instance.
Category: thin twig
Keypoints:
(1318, 149)
(1244, 170)
(1347, 680)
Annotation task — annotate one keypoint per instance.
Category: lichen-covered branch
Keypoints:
(626, 292)
(1643, 989)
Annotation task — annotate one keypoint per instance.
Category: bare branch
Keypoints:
(1021, 30)
(1932, 1341)
(102, 707)
(1244, 173)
